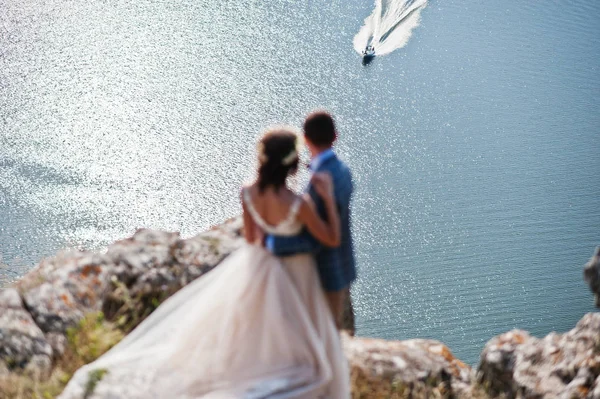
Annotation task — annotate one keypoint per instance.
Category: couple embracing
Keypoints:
(264, 323)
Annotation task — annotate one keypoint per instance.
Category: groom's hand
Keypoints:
(323, 184)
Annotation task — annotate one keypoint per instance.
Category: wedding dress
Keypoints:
(257, 326)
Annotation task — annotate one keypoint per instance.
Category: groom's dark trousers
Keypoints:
(336, 266)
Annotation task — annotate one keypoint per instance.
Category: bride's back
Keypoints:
(274, 211)
(272, 206)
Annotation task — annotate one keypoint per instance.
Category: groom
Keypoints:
(336, 266)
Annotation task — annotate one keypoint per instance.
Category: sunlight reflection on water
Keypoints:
(474, 155)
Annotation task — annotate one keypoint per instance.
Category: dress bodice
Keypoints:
(290, 226)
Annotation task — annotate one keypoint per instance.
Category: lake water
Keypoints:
(474, 148)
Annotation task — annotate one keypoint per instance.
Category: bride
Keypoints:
(257, 326)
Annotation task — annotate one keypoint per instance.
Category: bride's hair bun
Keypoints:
(278, 151)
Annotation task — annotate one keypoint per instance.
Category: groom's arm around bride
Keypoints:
(336, 266)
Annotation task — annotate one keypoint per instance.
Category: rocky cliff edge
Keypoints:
(74, 306)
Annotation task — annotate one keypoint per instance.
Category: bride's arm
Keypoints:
(328, 232)
(249, 225)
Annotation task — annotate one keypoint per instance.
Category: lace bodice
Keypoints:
(288, 227)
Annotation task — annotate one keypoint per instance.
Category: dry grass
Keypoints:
(86, 342)
(128, 310)
(369, 387)
(366, 386)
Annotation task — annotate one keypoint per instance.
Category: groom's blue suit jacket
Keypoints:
(336, 266)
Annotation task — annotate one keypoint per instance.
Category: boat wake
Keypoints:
(389, 26)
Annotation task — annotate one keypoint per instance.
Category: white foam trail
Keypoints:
(390, 25)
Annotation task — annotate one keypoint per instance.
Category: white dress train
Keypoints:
(257, 326)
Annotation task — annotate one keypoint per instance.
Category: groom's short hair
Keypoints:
(319, 129)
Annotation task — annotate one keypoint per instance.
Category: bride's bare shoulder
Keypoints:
(250, 188)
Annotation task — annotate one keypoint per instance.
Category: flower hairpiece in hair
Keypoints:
(294, 154)
(290, 158)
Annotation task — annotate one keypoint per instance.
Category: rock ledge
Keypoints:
(132, 277)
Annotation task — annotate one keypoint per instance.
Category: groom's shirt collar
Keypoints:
(318, 160)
